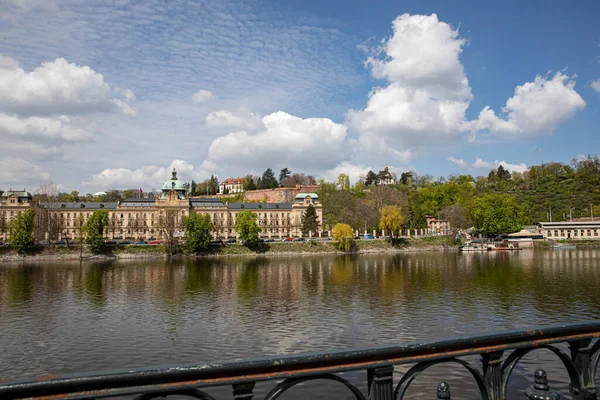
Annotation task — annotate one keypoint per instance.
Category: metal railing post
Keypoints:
(243, 391)
(381, 383)
(540, 389)
(492, 373)
(443, 391)
(580, 354)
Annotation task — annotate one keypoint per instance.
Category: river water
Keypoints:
(59, 317)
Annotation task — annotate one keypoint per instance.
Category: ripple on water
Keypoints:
(72, 318)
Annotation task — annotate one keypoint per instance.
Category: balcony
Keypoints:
(499, 354)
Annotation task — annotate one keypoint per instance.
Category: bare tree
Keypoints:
(47, 223)
(457, 216)
(169, 225)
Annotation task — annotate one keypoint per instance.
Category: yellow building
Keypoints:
(141, 218)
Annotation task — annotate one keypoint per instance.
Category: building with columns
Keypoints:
(139, 218)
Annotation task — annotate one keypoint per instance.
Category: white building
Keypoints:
(578, 230)
(232, 185)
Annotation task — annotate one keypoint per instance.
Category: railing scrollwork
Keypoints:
(500, 354)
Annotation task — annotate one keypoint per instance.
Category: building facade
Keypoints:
(577, 230)
(437, 226)
(135, 219)
(232, 185)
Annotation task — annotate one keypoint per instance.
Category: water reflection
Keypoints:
(67, 317)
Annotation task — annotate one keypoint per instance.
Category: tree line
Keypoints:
(500, 202)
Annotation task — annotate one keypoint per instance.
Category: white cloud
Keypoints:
(536, 108)
(54, 129)
(202, 96)
(240, 119)
(353, 172)
(596, 85)
(285, 141)
(21, 172)
(59, 87)
(423, 52)
(460, 162)
(150, 176)
(488, 165)
(427, 94)
(480, 164)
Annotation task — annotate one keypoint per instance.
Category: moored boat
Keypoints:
(562, 246)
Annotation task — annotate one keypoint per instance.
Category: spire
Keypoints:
(174, 174)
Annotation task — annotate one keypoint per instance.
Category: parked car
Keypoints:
(125, 242)
(300, 239)
(368, 236)
(230, 241)
(288, 239)
(154, 242)
(60, 243)
(216, 242)
(140, 242)
(269, 240)
(261, 240)
(111, 242)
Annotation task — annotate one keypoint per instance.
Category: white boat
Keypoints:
(474, 247)
(562, 246)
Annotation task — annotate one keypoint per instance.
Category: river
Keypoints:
(61, 317)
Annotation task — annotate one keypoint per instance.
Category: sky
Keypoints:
(99, 95)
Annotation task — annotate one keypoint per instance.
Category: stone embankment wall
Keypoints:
(279, 195)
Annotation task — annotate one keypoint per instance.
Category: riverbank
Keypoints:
(435, 243)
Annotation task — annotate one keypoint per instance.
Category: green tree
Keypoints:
(94, 231)
(268, 180)
(371, 178)
(343, 182)
(497, 213)
(213, 185)
(391, 219)
(310, 222)
(283, 175)
(343, 237)
(197, 231)
(21, 231)
(249, 183)
(247, 227)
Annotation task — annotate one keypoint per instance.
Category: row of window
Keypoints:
(573, 232)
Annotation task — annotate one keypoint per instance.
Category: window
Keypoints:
(562, 233)
(589, 232)
(68, 215)
(595, 232)
(555, 233)
(582, 232)
(575, 232)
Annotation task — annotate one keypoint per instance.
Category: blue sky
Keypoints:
(115, 94)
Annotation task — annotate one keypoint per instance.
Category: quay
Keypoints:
(499, 352)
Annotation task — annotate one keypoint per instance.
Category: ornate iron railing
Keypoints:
(499, 355)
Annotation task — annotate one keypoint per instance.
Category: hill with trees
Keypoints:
(499, 202)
